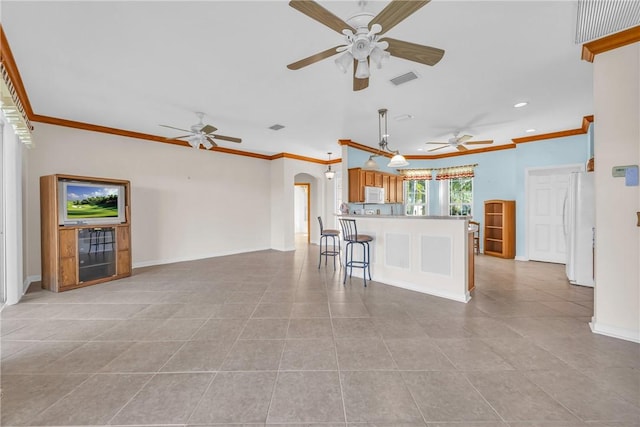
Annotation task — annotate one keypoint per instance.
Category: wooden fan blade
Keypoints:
(171, 127)
(439, 148)
(489, 141)
(359, 84)
(314, 11)
(395, 12)
(313, 58)
(211, 141)
(226, 138)
(179, 137)
(208, 129)
(464, 138)
(414, 52)
(462, 148)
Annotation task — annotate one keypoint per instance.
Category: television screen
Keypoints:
(91, 203)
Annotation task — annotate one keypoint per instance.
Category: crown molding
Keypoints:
(586, 121)
(610, 42)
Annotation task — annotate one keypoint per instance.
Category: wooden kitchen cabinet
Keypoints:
(392, 189)
(399, 190)
(356, 185)
(392, 185)
(500, 228)
(386, 179)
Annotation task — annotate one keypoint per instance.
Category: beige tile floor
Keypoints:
(267, 338)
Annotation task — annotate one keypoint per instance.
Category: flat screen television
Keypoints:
(86, 203)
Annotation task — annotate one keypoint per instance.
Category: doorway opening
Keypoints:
(302, 211)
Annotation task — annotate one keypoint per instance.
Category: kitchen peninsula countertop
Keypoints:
(455, 218)
(428, 254)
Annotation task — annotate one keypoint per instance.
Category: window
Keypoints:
(460, 196)
(416, 197)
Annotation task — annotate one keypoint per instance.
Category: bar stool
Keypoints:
(351, 237)
(325, 234)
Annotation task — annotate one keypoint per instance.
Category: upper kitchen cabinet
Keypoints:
(358, 179)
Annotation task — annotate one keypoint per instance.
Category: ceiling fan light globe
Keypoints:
(398, 161)
(362, 71)
(379, 56)
(344, 61)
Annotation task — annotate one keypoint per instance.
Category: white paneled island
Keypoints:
(432, 254)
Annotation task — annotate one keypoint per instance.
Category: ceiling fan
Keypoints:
(363, 44)
(459, 142)
(201, 134)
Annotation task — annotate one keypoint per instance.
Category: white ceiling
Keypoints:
(135, 65)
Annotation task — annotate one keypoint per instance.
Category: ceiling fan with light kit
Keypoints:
(363, 44)
(201, 134)
(459, 142)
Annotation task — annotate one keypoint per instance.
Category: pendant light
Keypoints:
(398, 159)
(329, 173)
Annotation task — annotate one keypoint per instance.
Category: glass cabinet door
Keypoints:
(97, 253)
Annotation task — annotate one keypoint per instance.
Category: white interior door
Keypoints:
(546, 192)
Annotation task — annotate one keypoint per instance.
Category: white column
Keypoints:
(12, 214)
(617, 143)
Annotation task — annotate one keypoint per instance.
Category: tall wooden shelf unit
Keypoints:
(500, 228)
(74, 256)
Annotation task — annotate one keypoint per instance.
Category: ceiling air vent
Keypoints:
(404, 78)
(276, 127)
(598, 18)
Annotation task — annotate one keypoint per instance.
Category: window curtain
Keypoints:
(455, 172)
(12, 109)
(415, 174)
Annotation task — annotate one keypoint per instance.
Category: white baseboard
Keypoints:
(521, 258)
(28, 281)
(615, 332)
(150, 263)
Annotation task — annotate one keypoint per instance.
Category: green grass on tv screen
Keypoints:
(94, 207)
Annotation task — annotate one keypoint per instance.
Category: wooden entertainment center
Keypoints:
(82, 253)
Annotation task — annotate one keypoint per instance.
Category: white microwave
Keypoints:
(374, 195)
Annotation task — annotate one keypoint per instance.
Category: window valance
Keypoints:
(416, 174)
(13, 110)
(465, 171)
(454, 172)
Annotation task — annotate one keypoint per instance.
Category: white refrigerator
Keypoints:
(579, 223)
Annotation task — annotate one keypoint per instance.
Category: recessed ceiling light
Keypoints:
(520, 104)
(420, 149)
(530, 130)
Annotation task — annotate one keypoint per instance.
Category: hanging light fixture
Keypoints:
(398, 159)
(329, 173)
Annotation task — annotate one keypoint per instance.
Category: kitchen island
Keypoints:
(428, 254)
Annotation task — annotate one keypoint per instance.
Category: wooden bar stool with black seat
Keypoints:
(325, 234)
(351, 237)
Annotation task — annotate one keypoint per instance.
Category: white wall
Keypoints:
(185, 203)
(617, 142)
